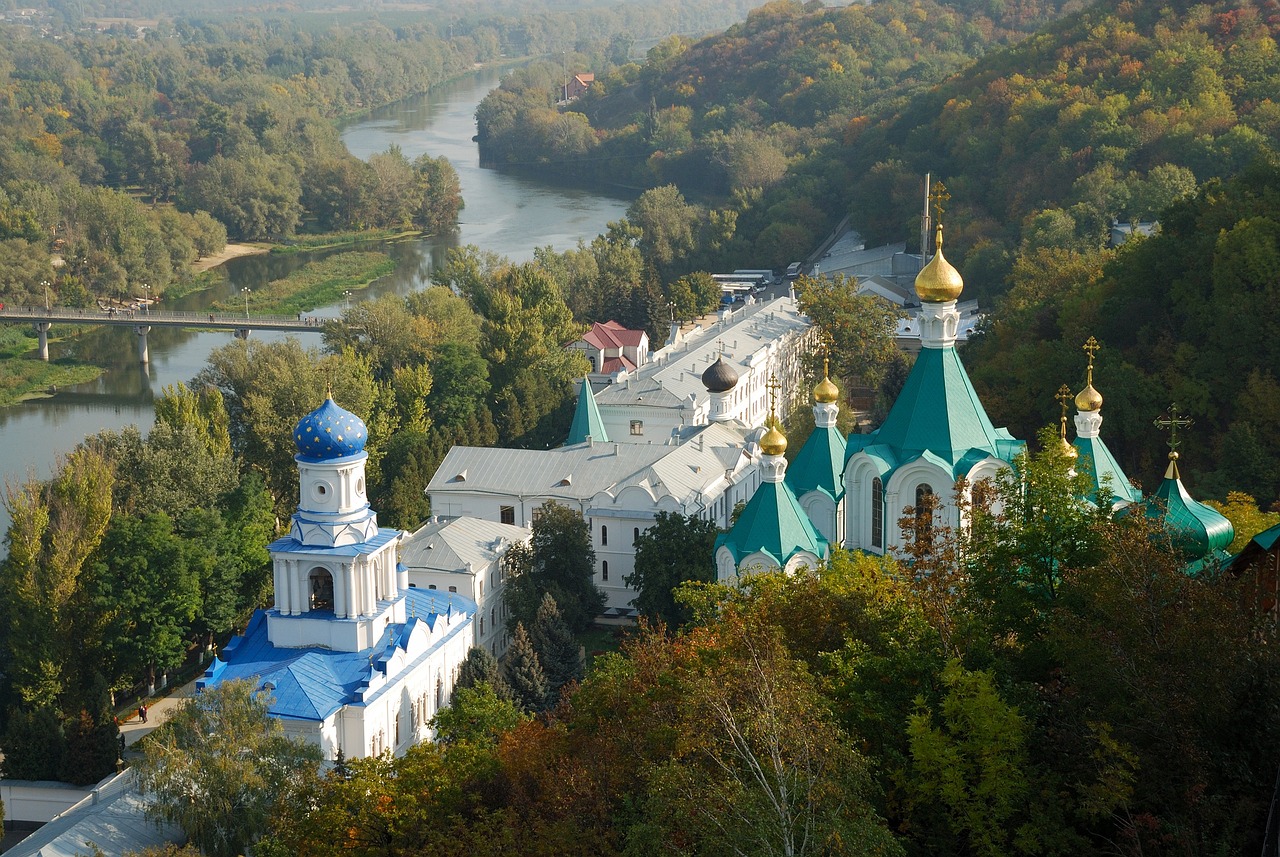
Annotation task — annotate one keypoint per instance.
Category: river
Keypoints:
(510, 215)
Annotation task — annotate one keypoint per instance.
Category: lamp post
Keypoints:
(146, 287)
(346, 296)
(671, 305)
(45, 283)
(246, 291)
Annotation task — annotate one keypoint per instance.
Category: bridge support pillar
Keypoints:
(144, 355)
(241, 333)
(42, 333)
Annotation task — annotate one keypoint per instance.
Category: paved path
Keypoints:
(158, 710)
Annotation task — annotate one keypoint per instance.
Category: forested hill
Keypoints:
(736, 111)
(1113, 112)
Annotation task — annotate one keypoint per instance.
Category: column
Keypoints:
(42, 332)
(144, 356)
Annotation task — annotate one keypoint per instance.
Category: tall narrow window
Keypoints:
(604, 570)
(604, 535)
(636, 537)
(877, 513)
(925, 503)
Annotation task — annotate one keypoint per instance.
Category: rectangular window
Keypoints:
(637, 427)
(507, 514)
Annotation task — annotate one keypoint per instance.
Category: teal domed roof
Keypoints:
(329, 432)
(1198, 531)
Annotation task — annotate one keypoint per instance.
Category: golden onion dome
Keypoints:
(939, 281)
(1088, 400)
(774, 442)
(825, 392)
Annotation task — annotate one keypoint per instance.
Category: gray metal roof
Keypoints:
(114, 819)
(579, 472)
(451, 545)
(676, 372)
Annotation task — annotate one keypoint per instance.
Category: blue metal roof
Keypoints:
(312, 683)
(289, 544)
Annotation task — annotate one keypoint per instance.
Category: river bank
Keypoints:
(231, 251)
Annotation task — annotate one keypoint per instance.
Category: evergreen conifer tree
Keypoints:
(481, 667)
(523, 673)
(557, 650)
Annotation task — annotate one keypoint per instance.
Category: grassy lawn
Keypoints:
(325, 241)
(23, 376)
(315, 284)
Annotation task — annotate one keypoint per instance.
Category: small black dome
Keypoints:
(719, 377)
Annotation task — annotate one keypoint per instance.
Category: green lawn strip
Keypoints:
(315, 284)
(24, 376)
(307, 243)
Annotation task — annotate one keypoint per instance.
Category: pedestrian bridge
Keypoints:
(146, 317)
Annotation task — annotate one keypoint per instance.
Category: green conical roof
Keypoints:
(586, 419)
(774, 524)
(1198, 531)
(1097, 462)
(938, 412)
(819, 466)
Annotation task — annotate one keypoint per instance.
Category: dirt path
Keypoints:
(231, 251)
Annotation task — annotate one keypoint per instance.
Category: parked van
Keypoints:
(793, 270)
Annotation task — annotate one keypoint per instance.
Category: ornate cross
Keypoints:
(1064, 398)
(1090, 347)
(1171, 424)
(773, 385)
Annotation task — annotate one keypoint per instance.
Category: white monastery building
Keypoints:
(353, 658)
(666, 393)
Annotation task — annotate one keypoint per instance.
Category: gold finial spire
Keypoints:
(1064, 398)
(1171, 424)
(1089, 399)
(825, 392)
(939, 281)
(774, 441)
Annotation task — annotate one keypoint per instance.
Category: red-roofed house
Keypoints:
(578, 85)
(611, 348)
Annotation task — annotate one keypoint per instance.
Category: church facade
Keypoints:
(350, 657)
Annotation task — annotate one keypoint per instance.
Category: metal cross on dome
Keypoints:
(773, 385)
(1171, 424)
(1064, 398)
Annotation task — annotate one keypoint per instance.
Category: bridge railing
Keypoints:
(141, 314)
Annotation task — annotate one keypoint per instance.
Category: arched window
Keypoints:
(925, 503)
(635, 538)
(439, 693)
(604, 535)
(321, 589)
(877, 513)
(604, 570)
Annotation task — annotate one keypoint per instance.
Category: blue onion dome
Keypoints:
(720, 377)
(330, 432)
